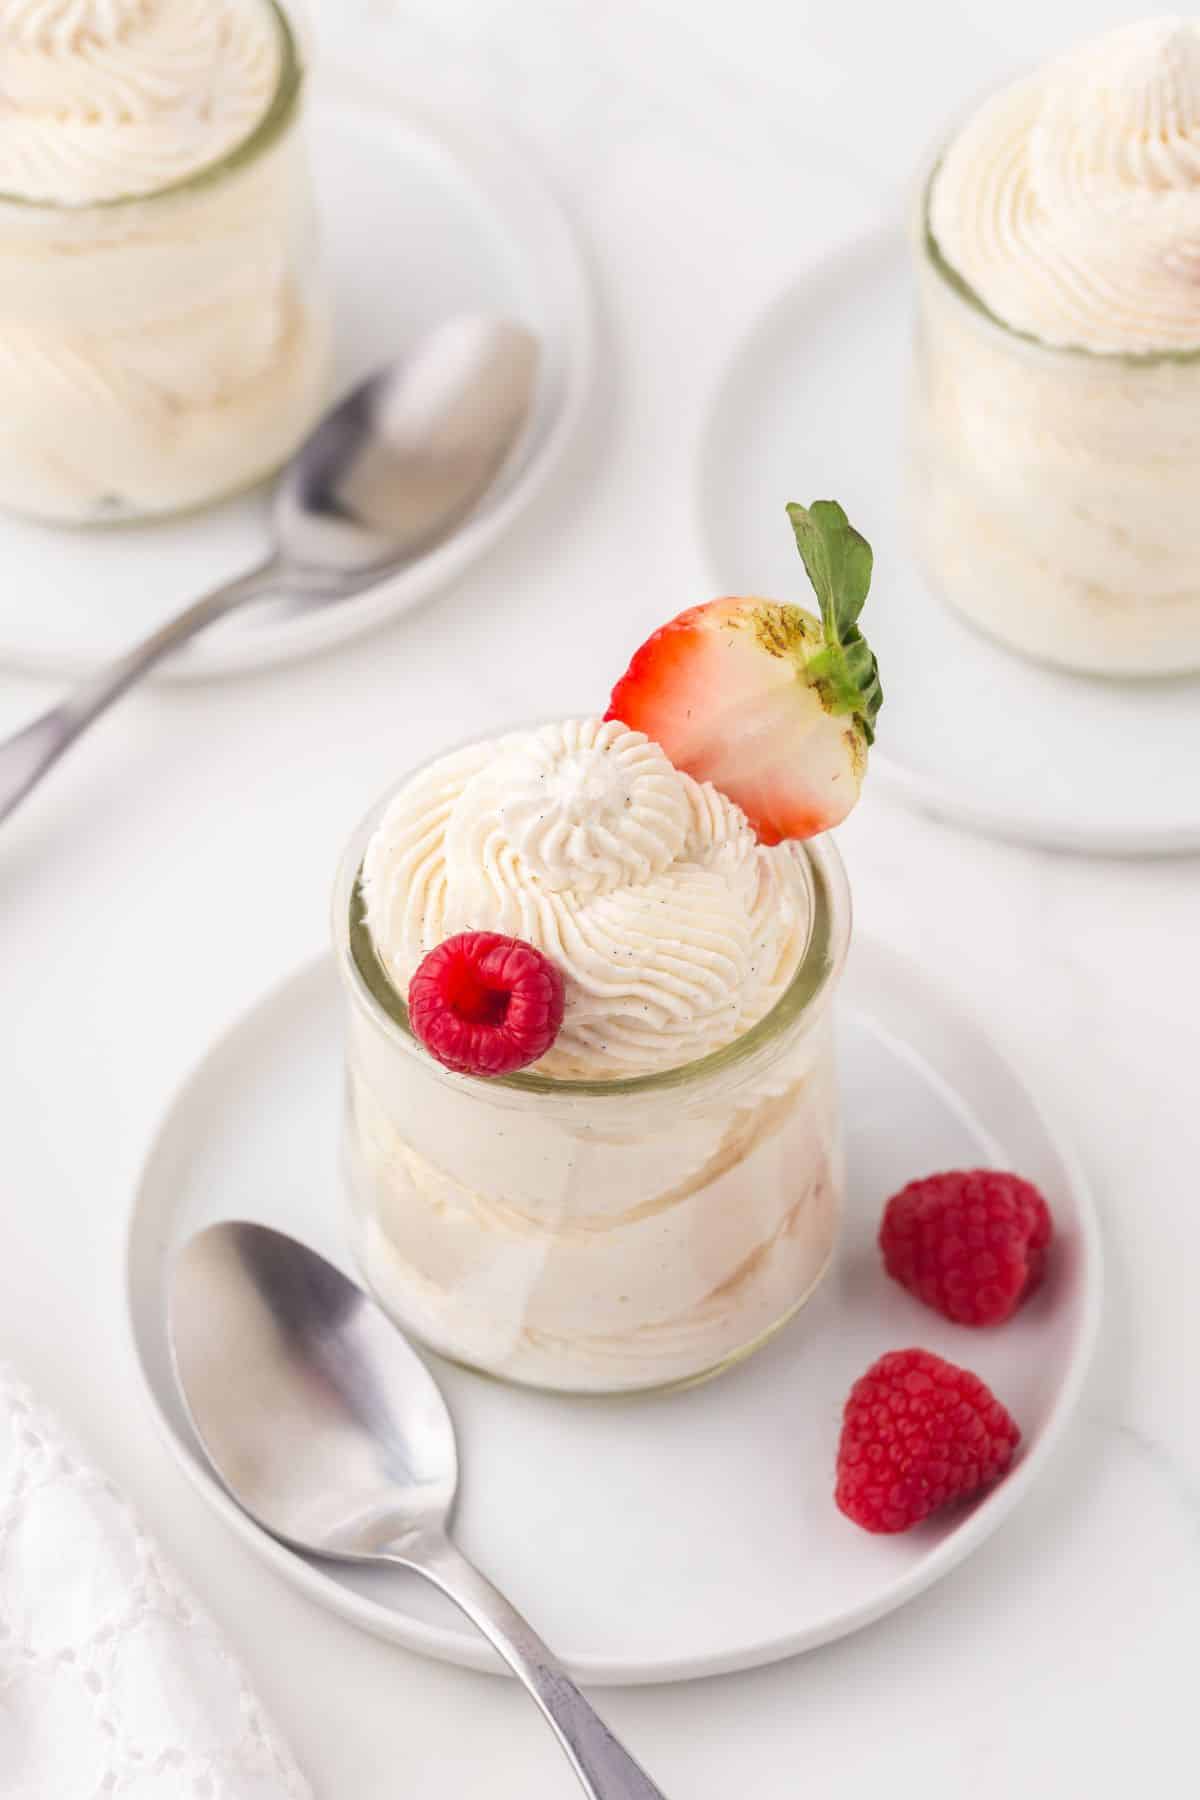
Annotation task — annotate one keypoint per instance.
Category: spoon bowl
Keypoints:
(407, 454)
(320, 1420)
(328, 1429)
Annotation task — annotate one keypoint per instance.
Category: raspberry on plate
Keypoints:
(970, 1243)
(918, 1434)
(484, 1004)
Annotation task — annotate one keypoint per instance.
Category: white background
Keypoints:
(181, 861)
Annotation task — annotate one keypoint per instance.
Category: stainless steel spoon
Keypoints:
(330, 1432)
(383, 477)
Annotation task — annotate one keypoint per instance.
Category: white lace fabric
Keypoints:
(114, 1684)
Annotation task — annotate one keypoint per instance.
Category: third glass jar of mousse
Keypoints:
(601, 1234)
(164, 323)
(1055, 451)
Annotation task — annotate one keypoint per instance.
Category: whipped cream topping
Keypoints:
(579, 809)
(1070, 203)
(105, 98)
(675, 930)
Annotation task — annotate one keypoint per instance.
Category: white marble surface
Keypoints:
(182, 861)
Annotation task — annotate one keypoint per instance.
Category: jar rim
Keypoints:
(819, 966)
(265, 132)
(968, 296)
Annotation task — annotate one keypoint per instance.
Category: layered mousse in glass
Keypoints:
(592, 1137)
(1056, 445)
(164, 323)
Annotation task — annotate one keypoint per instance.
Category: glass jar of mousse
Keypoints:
(593, 1236)
(1052, 491)
(169, 345)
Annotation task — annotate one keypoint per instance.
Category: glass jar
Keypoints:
(1052, 492)
(161, 350)
(595, 1236)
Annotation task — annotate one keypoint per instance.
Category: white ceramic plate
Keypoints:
(812, 405)
(655, 1538)
(421, 217)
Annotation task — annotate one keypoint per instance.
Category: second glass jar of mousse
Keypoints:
(1055, 448)
(594, 1235)
(164, 315)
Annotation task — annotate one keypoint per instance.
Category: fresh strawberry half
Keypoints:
(772, 705)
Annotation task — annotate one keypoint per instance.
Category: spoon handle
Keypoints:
(29, 753)
(606, 1771)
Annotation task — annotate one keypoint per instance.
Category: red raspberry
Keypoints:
(918, 1434)
(485, 1004)
(971, 1244)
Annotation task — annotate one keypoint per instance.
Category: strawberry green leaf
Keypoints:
(839, 563)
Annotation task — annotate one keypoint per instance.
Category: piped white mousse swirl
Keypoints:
(100, 99)
(675, 930)
(1070, 202)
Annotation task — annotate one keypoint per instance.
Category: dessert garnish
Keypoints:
(918, 1434)
(970, 1243)
(772, 705)
(485, 1004)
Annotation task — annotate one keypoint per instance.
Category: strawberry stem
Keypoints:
(839, 562)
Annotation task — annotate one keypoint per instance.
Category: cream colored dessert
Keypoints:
(163, 337)
(674, 928)
(614, 1235)
(1057, 442)
(107, 98)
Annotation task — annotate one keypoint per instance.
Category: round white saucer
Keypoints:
(421, 216)
(811, 405)
(667, 1537)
